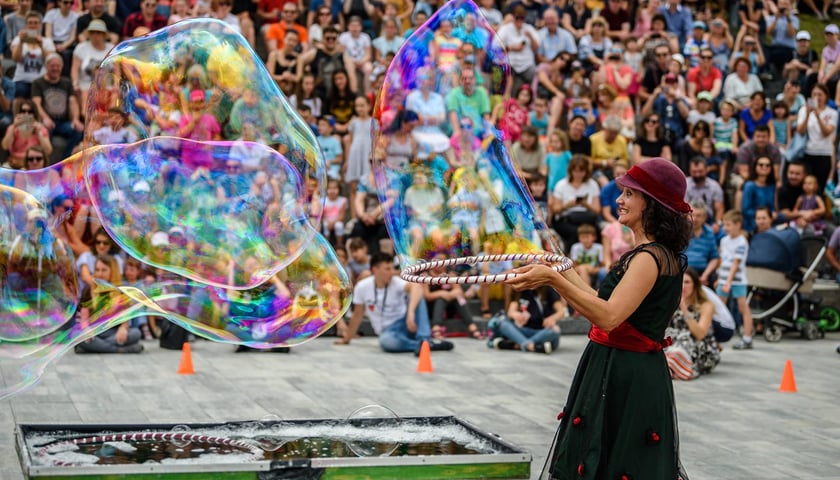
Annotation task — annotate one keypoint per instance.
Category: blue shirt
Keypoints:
(561, 41)
(679, 22)
(754, 197)
(670, 115)
(609, 195)
(780, 34)
(558, 166)
(750, 123)
(701, 250)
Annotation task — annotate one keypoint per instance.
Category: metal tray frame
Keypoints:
(510, 454)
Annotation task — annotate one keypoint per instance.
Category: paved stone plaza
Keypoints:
(734, 424)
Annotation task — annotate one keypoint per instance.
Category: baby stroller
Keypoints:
(781, 269)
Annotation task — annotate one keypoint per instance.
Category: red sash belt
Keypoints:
(626, 337)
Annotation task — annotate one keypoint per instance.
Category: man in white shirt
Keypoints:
(522, 42)
(395, 308)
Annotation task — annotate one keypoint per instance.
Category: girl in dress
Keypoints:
(358, 155)
(811, 209)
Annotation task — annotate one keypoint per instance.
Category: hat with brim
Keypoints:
(97, 25)
(661, 180)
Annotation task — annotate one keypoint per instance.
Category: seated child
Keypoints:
(811, 209)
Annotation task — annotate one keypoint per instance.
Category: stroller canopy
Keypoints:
(776, 249)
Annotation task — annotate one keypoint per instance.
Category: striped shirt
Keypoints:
(732, 249)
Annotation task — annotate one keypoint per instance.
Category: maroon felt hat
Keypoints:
(661, 180)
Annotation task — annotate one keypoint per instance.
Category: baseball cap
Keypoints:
(142, 186)
(176, 230)
(704, 96)
(832, 29)
(699, 24)
(160, 239)
(803, 35)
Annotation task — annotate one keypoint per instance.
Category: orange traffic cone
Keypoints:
(186, 367)
(424, 365)
(788, 383)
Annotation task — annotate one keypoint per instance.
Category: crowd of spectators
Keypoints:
(741, 102)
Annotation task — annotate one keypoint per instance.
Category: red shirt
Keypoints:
(704, 83)
(136, 20)
(270, 5)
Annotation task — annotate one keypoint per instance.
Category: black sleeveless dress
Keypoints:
(619, 421)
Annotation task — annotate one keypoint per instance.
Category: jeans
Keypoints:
(106, 342)
(396, 338)
(65, 130)
(525, 335)
(439, 307)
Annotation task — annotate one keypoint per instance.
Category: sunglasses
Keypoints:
(292, 12)
(663, 54)
(706, 57)
(330, 37)
(103, 242)
(232, 168)
(519, 18)
(25, 110)
(762, 165)
(653, 121)
(34, 159)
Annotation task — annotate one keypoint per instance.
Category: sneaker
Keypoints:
(281, 350)
(501, 343)
(544, 347)
(440, 345)
(743, 345)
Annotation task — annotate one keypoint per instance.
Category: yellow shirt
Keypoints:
(601, 150)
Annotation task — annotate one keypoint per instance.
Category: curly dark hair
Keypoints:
(672, 230)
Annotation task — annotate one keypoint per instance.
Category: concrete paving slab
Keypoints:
(734, 423)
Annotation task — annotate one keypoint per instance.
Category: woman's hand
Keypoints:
(531, 277)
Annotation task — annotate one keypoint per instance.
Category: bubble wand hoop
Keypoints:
(558, 263)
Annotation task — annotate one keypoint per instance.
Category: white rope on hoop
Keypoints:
(558, 263)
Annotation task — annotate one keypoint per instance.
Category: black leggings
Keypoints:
(818, 166)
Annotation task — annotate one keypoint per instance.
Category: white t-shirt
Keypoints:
(565, 192)
(62, 27)
(89, 60)
(355, 47)
(523, 59)
(819, 144)
(383, 306)
(32, 65)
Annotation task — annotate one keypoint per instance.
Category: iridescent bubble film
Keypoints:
(190, 203)
(448, 183)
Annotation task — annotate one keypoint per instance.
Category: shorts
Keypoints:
(737, 291)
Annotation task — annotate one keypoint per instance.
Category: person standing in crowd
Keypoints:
(732, 272)
(523, 42)
(819, 122)
(623, 377)
(29, 51)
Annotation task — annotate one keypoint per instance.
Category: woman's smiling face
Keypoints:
(631, 204)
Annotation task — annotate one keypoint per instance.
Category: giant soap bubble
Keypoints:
(447, 183)
(198, 182)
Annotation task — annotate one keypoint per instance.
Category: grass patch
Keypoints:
(816, 27)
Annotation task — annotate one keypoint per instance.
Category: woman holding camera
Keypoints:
(576, 200)
(26, 131)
